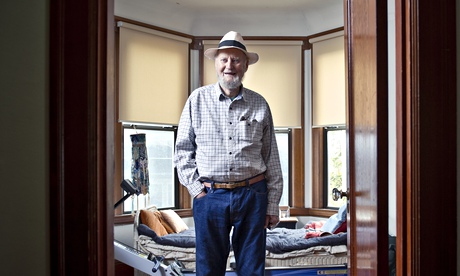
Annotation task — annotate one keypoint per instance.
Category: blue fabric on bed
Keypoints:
(279, 240)
(184, 239)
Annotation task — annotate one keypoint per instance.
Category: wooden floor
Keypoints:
(122, 269)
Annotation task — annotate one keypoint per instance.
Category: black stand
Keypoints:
(121, 200)
(130, 190)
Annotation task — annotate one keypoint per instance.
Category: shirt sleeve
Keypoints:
(273, 174)
(184, 157)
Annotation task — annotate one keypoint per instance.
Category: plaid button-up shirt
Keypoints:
(225, 140)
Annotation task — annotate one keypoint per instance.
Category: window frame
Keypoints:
(288, 131)
(182, 200)
(140, 128)
(326, 167)
(298, 207)
(297, 178)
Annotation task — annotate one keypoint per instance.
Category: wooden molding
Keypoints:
(297, 168)
(317, 167)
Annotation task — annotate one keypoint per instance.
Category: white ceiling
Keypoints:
(207, 6)
(250, 17)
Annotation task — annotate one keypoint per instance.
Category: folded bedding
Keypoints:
(279, 240)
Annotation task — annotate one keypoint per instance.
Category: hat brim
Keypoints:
(212, 52)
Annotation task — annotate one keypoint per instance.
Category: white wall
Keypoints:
(167, 14)
(391, 120)
(24, 228)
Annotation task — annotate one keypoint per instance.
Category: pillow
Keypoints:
(341, 228)
(151, 219)
(165, 224)
(173, 219)
(336, 220)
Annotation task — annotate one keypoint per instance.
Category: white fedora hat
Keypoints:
(232, 40)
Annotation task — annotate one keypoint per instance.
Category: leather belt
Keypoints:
(233, 185)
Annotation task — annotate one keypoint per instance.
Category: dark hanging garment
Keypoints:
(140, 163)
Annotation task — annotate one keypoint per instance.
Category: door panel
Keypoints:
(367, 95)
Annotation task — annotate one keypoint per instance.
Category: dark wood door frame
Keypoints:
(426, 137)
(81, 137)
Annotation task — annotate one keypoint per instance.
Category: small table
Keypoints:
(289, 222)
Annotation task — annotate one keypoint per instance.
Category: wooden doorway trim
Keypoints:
(426, 137)
(81, 137)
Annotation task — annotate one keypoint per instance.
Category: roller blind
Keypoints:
(276, 76)
(153, 75)
(328, 78)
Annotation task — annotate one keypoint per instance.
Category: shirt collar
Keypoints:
(220, 95)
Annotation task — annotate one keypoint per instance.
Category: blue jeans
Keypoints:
(245, 209)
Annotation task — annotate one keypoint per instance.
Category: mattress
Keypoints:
(314, 256)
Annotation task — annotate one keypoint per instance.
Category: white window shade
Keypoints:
(328, 92)
(276, 76)
(153, 74)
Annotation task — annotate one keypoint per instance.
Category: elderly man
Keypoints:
(227, 157)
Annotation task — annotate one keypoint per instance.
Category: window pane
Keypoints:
(282, 139)
(160, 150)
(336, 166)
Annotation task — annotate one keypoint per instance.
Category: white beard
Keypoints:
(233, 84)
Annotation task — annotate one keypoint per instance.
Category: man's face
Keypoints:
(231, 64)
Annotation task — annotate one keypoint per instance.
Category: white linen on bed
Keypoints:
(317, 255)
(170, 253)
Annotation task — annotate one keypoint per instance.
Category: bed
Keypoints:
(318, 244)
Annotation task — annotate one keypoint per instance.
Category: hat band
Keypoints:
(232, 43)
